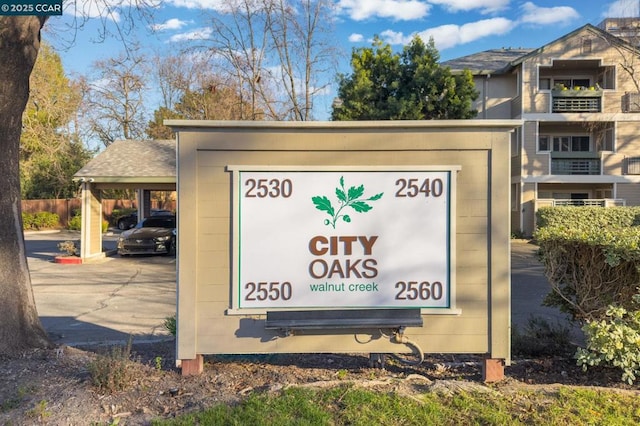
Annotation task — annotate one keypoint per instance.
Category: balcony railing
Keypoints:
(631, 102)
(570, 100)
(586, 203)
(632, 165)
(582, 166)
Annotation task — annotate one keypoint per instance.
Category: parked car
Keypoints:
(130, 220)
(154, 235)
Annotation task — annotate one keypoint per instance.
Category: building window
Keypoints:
(586, 46)
(605, 141)
(515, 142)
(571, 82)
(544, 83)
(571, 144)
(515, 197)
(544, 143)
(564, 143)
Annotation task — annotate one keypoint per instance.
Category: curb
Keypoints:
(68, 260)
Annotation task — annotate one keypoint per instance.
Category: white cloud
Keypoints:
(222, 6)
(170, 24)
(533, 14)
(400, 10)
(394, 37)
(447, 36)
(199, 34)
(623, 9)
(486, 6)
(107, 9)
(356, 38)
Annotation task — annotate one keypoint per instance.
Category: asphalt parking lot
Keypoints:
(102, 302)
(106, 301)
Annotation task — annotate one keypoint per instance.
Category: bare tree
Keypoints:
(278, 52)
(305, 55)
(171, 75)
(239, 40)
(114, 101)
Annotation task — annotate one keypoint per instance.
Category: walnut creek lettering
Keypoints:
(341, 287)
(359, 267)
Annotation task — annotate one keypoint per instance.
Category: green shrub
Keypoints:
(541, 338)
(590, 260)
(75, 224)
(620, 217)
(113, 371)
(27, 221)
(614, 341)
(170, 324)
(40, 220)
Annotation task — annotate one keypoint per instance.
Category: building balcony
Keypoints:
(575, 166)
(574, 100)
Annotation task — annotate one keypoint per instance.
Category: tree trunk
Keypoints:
(20, 327)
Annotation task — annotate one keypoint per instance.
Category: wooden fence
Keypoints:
(67, 208)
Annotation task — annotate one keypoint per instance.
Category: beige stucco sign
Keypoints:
(340, 237)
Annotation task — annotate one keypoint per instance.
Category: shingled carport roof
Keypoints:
(133, 162)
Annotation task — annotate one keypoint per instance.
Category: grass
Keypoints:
(351, 406)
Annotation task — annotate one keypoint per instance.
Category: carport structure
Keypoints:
(141, 165)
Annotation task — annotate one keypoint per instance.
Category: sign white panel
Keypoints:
(343, 238)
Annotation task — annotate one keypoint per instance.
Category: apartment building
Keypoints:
(579, 98)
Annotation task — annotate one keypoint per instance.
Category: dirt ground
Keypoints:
(54, 386)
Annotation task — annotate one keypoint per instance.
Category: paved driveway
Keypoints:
(101, 302)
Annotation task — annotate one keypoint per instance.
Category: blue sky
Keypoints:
(459, 27)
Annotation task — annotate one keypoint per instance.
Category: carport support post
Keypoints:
(91, 228)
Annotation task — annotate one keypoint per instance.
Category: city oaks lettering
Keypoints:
(342, 268)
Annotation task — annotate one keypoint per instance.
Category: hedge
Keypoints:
(591, 257)
(40, 220)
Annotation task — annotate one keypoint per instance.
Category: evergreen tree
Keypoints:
(411, 85)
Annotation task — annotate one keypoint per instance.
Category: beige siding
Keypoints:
(533, 162)
(496, 94)
(205, 223)
(630, 192)
(528, 208)
(628, 139)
